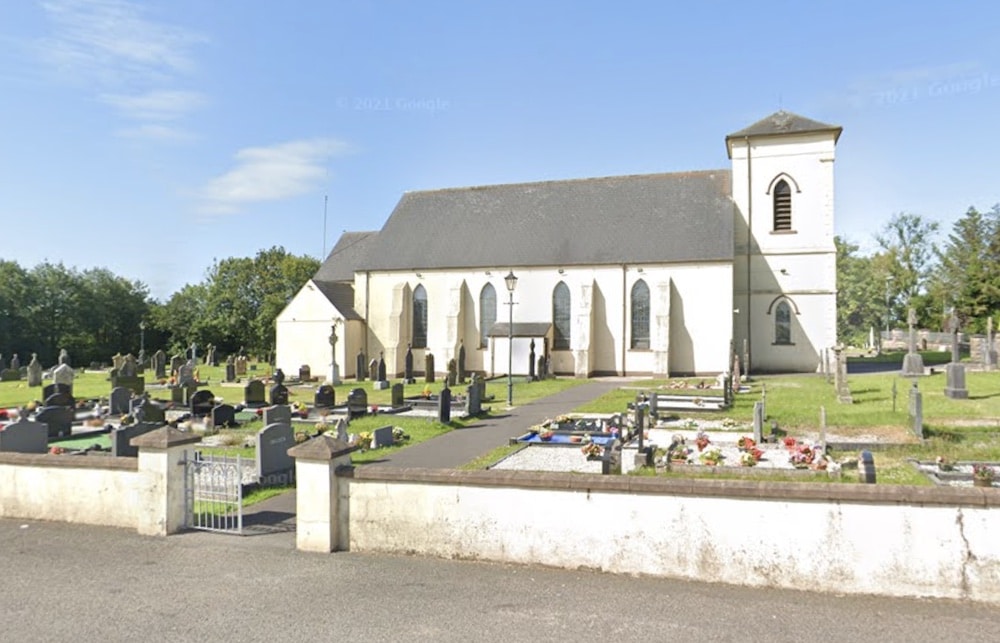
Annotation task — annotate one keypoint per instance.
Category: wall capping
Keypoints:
(69, 461)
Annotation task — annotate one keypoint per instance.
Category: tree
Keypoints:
(968, 263)
(860, 298)
(14, 326)
(907, 241)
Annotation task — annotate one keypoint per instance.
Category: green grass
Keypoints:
(930, 358)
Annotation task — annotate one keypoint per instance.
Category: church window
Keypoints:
(487, 313)
(561, 316)
(640, 315)
(419, 317)
(783, 323)
(782, 206)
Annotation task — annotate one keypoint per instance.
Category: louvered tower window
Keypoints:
(782, 206)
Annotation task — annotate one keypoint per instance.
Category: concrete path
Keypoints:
(451, 449)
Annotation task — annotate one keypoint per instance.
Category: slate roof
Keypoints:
(345, 257)
(341, 295)
(782, 122)
(520, 329)
(655, 218)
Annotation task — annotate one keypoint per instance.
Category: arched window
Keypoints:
(782, 206)
(487, 313)
(561, 316)
(419, 317)
(640, 315)
(782, 323)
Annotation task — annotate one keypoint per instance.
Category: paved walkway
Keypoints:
(451, 449)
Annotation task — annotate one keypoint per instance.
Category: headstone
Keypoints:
(955, 372)
(990, 353)
(178, 394)
(63, 374)
(473, 399)
(541, 368)
(381, 368)
(917, 411)
(325, 397)
(241, 366)
(360, 367)
(461, 362)
(342, 430)
(611, 459)
(253, 393)
(397, 396)
(357, 403)
(64, 357)
(224, 415)
(60, 398)
(408, 366)
(274, 465)
(305, 373)
(452, 372)
(3, 364)
(444, 405)
(34, 371)
(866, 468)
(185, 374)
(531, 360)
(840, 379)
(210, 358)
(118, 400)
(144, 409)
(24, 436)
(429, 368)
(158, 364)
(373, 370)
(10, 375)
(382, 437)
(277, 414)
(55, 389)
(58, 418)
(15, 363)
(230, 371)
(279, 394)
(201, 403)
(758, 422)
(913, 362)
(129, 368)
(122, 436)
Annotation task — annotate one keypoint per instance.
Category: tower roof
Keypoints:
(782, 123)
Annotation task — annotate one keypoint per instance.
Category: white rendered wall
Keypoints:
(303, 334)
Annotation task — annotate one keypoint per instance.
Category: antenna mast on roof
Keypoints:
(322, 257)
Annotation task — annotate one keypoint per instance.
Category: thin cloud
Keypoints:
(158, 133)
(157, 105)
(269, 174)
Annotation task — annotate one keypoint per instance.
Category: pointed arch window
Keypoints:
(782, 323)
(782, 206)
(487, 313)
(419, 317)
(640, 315)
(561, 316)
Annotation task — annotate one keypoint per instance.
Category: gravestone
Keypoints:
(429, 368)
(531, 360)
(325, 397)
(15, 363)
(382, 437)
(58, 418)
(444, 405)
(279, 394)
(129, 368)
(461, 362)
(10, 375)
(373, 370)
(176, 362)
(611, 458)
(360, 366)
(955, 384)
(917, 411)
(866, 468)
(3, 363)
(63, 375)
(230, 370)
(274, 465)
(913, 362)
(342, 430)
(210, 357)
(989, 351)
(122, 436)
(357, 403)
(185, 374)
(381, 368)
(758, 422)
(473, 399)
(241, 366)
(840, 379)
(277, 414)
(224, 415)
(61, 398)
(146, 410)
(159, 365)
(135, 384)
(24, 436)
(118, 400)
(34, 371)
(452, 372)
(63, 357)
(253, 393)
(334, 375)
(178, 394)
(305, 373)
(116, 361)
(542, 374)
(408, 366)
(397, 396)
(55, 389)
(201, 402)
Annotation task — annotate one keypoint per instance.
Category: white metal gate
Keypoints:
(213, 492)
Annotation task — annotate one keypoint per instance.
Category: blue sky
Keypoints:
(153, 137)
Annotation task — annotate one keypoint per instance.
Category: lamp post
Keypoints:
(511, 282)
(888, 280)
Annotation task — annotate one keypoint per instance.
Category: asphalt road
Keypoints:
(61, 582)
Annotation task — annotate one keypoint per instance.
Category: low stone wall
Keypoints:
(887, 540)
(80, 489)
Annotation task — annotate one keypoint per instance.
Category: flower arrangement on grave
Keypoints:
(399, 435)
(576, 439)
(364, 440)
(591, 450)
(57, 450)
(712, 457)
(546, 435)
(802, 456)
(302, 409)
(790, 443)
(681, 454)
(944, 464)
(747, 459)
(701, 441)
(745, 443)
(690, 425)
(984, 472)
(322, 427)
(426, 393)
(729, 423)
(374, 409)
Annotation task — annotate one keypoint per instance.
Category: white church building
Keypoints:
(658, 274)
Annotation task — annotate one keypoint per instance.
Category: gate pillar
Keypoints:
(319, 493)
(161, 480)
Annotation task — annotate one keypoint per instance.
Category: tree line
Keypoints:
(913, 267)
(94, 314)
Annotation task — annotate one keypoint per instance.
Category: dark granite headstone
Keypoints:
(120, 438)
(305, 373)
(360, 366)
(452, 372)
(253, 393)
(279, 394)
(397, 395)
(381, 367)
(382, 437)
(531, 360)
(461, 363)
(135, 384)
(408, 365)
(159, 365)
(224, 415)
(444, 406)
(60, 399)
(325, 397)
(611, 459)
(230, 372)
(202, 402)
(53, 389)
(866, 468)
(118, 400)
(429, 368)
(24, 436)
(277, 414)
(34, 371)
(58, 418)
(274, 465)
(146, 410)
(473, 401)
(357, 402)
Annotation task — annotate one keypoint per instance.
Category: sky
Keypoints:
(154, 138)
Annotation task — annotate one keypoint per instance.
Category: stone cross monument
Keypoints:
(955, 386)
(913, 363)
(334, 370)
